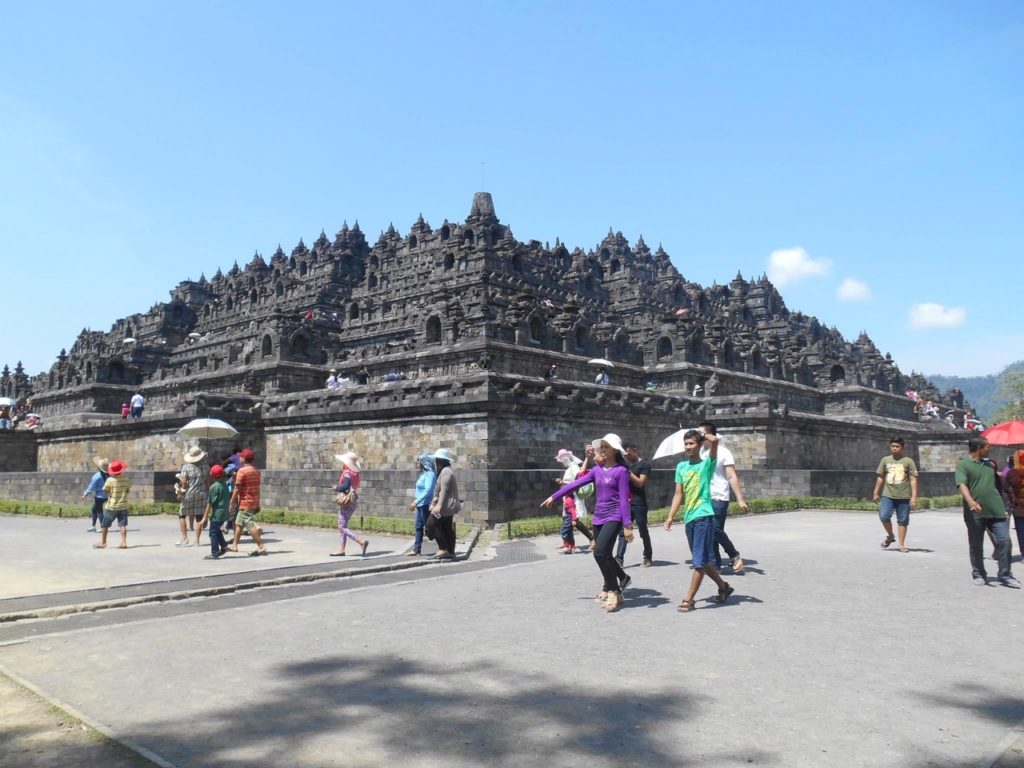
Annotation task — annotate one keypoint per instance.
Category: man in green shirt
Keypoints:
(984, 512)
(896, 491)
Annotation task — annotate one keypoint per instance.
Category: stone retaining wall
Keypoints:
(17, 450)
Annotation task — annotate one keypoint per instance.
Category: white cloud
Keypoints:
(791, 264)
(852, 289)
(936, 316)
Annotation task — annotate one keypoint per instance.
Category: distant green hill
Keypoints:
(981, 391)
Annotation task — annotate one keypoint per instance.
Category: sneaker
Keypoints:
(980, 581)
(737, 564)
(647, 562)
(1010, 582)
(183, 544)
(625, 582)
(92, 530)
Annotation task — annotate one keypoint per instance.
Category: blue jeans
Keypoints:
(421, 520)
(109, 515)
(700, 533)
(999, 528)
(97, 510)
(722, 540)
(566, 531)
(217, 542)
(900, 506)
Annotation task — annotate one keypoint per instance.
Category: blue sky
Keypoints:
(866, 155)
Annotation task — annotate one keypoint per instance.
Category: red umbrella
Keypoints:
(1007, 433)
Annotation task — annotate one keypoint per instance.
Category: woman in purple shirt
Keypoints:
(611, 514)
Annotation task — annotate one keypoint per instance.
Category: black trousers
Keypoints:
(640, 521)
(444, 534)
(606, 534)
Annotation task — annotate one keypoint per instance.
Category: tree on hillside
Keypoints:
(1011, 392)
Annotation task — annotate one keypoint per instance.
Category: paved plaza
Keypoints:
(832, 651)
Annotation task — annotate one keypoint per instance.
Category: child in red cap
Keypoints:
(116, 487)
(216, 513)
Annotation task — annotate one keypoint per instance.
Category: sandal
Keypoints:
(685, 606)
(723, 594)
(601, 597)
(888, 540)
(613, 603)
(904, 550)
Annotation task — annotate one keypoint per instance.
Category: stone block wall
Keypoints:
(386, 445)
(143, 444)
(17, 450)
(67, 487)
(382, 493)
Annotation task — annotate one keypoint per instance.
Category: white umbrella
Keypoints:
(207, 429)
(600, 362)
(128, 340)
(194, 335)
(8, 401)
(672, 444)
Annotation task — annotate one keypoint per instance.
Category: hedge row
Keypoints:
(543, 526)
(326, 520)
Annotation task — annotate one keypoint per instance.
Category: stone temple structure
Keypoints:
(455, 328)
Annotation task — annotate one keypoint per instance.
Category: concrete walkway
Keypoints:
(832, 652)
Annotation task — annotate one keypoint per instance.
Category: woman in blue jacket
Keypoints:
(95, 489)
(424, 494)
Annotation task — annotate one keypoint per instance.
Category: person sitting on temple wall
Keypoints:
(332, 381)
(551, 373)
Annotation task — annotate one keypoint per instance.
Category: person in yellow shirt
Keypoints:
(116, 487)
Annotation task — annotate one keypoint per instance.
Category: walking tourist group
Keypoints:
(609, 484)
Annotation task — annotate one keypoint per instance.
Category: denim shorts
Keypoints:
(701, 535)
(110, 514)
(900, 506)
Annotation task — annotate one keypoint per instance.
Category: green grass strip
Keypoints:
(326, 520)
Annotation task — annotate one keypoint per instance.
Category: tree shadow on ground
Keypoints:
(339, 710)
(980, 701)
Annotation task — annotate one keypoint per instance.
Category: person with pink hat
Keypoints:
(116, 488)
(571, 503)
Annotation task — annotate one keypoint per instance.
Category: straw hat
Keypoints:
(101, 463)
(350, 460)
(194, 454)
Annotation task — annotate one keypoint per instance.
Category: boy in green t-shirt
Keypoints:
(693, 493)
(896, 491)
(216, 513)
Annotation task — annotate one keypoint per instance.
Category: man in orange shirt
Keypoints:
(245, 499)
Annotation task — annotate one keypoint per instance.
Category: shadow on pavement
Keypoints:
(388, 710)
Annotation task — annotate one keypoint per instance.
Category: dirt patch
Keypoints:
(38, 735)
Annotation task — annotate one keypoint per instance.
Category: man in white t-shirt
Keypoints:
(138, 404)
(725, 477)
